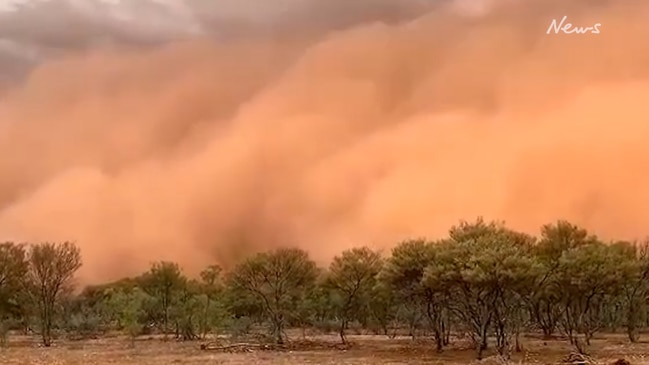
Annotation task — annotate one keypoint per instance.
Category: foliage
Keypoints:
(483, 279)
(166, 284)
(127, 307)
(276, 282)
(352, 276)
(51, 270)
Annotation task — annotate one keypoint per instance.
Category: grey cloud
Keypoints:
(40, 29)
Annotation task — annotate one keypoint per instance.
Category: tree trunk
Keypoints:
(631, 328)
(446, 328)
(632, 332)
(188, 333)
(279, 329)
(205, 320)
(47, 336)
(341, 331)
(47, 325)
(547, 333)
(439, 340)
(480, 352)
(165, 322)
(412, 323)
(485, 341)
(435, 320)
(579, 346)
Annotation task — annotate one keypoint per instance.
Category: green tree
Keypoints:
(185, 311)
(127, 306)
(211, 287)
(508, 268)
(403, 274)
(317, 309)
(383, 309)
(483, 267)
(51, 270)
(556, 239)
(277, 281)
(165, 283)
(13, 268)
(320, 305)
(352, 276)
(634, 268)
(589, 278)
(80, 319)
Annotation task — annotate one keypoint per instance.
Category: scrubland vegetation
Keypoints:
(484, 284)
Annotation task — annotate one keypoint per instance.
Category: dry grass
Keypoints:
(366, 350)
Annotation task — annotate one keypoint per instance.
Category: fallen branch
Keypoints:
(575, 358)
(296, 346)
(227, 347)
(241, 347)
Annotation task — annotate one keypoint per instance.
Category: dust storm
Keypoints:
(202, 150)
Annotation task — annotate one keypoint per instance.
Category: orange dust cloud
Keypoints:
(202, 151)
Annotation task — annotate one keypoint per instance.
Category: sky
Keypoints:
(323, 125)
(32, 30)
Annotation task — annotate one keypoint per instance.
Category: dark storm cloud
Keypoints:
(40, 29)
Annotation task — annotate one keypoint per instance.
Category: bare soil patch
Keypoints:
(606, 349)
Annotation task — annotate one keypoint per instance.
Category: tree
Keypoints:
(127, 305)
(320, 305)
(278, 281)
(185, 309)
(51, 269)
(317, 309)
(511, 272)
(634, 269)
(352, 276)
(211, 287)
(384, 308)
(13, 268)
(79, 318)
(484, 279)
(556, 239)
(164, 282)
(484, 268)
(589, 278)
(403, 273)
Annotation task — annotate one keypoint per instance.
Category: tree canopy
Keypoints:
(483, 280)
